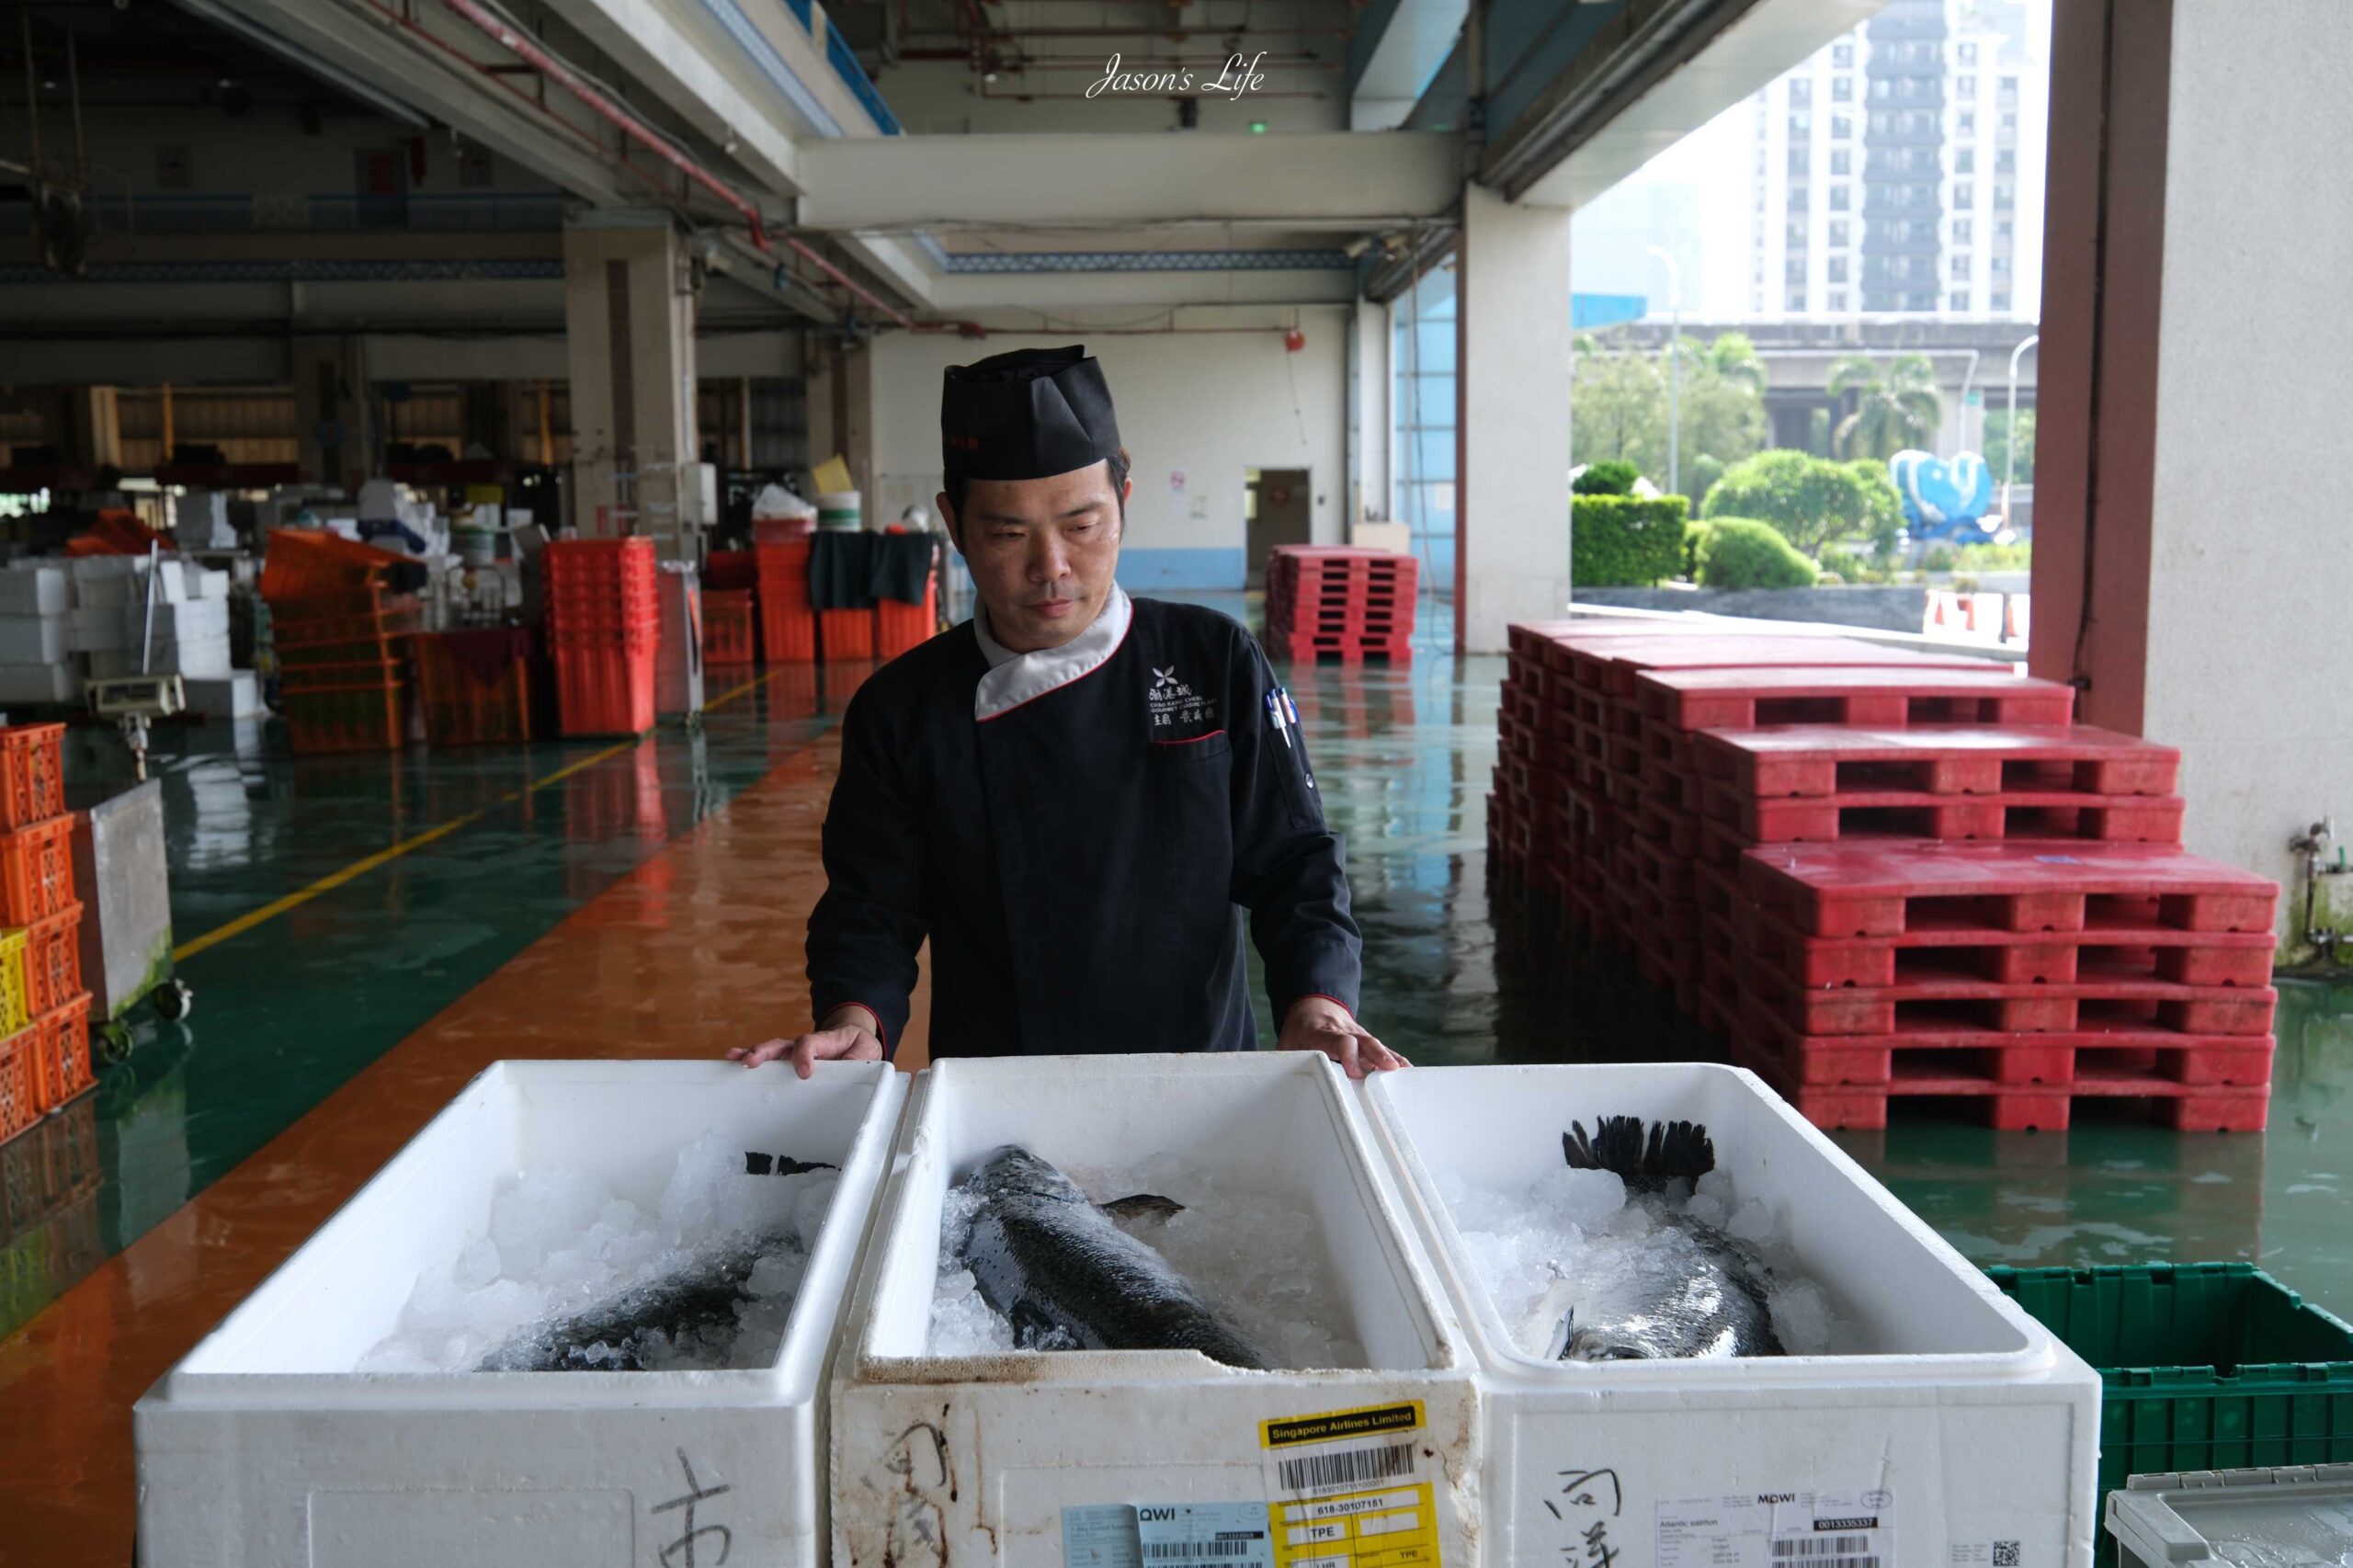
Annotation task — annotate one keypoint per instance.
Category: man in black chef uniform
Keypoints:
(1075, 794)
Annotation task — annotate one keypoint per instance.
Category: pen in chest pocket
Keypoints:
(1275, 712)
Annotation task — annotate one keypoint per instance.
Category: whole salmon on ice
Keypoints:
(1689, 1290)
(1067, 1278)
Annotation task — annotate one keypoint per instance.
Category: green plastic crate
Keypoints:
(2203, 1366)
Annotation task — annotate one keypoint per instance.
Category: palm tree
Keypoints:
(1893, 412)
(1733, 358)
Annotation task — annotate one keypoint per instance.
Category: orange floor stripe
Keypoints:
(698, 949)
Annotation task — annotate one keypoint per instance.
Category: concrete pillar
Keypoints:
(1511, 418)
(1370, 378)
(2188, 572)
(629, 306)
(333, 417)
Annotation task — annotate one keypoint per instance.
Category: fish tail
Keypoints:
(1672, 1150)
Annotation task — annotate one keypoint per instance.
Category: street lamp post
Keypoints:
(2010, 443)
(1674, 371)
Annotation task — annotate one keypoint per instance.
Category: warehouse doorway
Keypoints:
(1274, 505)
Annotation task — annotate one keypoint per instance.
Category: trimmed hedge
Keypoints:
(1624, 541)
(1612, 478)
(1741, 553)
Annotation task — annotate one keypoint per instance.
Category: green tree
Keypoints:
(1811, 500)
(1895, 410)
(1998, 446)
(1618, 407)
(1882, 507)
(1741, 553)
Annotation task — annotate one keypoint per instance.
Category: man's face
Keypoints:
(1041, 551)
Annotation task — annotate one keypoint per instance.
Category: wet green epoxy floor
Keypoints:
(290, 1009)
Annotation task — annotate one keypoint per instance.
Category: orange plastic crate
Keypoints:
(22, 1083)
(460, 707)
(54, 961)
(845, 633)
(304, 561)
(32, 782)
(64, 1051)
(604, 691)
(899, 626)
(727, 627)
(36, 872)
(345, 719)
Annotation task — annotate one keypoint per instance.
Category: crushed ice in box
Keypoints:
(1573, 1240)
(1249, 1245)
(562, 1249)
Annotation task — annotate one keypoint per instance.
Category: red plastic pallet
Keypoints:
(1618, 668)
(2230, 1060)
(1963, 1001)
(1868, 888)
(2008, 958)
(2184, 1107)
(1817, 819)
(1823, 759)
(1864, 694)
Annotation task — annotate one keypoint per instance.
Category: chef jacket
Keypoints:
(1078, 831)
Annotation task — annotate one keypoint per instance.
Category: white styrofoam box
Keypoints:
(182, 620)
(237, 695)
(975, 1459)
(57, 681)
(211, 586)
(263, 1448)
(1975, 1425)
(35, 590)
(92, 628)
(32, 639)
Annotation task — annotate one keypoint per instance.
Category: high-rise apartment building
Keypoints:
(1899, 171)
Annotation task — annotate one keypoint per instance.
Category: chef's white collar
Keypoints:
(1016, 679)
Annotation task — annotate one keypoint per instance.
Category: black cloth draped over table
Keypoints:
(851, 570)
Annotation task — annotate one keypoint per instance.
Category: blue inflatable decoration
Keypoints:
(1943, 500)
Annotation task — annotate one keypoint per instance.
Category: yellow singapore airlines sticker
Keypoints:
(1351, 1489)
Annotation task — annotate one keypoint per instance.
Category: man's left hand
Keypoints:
(1318, 1023)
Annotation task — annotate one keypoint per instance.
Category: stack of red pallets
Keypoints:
(2021, 975)
(1651, 775)
(603, 624)
(1332, 601)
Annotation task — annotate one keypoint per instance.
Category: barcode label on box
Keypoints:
(1351, 1488)
(1779, 1530)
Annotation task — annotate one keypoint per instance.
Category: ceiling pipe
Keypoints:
(527, 48)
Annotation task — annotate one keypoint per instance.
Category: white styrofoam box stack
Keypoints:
(43, 684)
(35, 588)
(200, 522)
(1942, 1407)
(263, 1448)
(32, 639)
(975, 1458)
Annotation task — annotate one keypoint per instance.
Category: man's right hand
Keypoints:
(843, 1036)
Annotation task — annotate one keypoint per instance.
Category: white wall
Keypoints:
(2248, 639)
(1203, 404)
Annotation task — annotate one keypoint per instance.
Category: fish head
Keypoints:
(1606, 1342)
(1012, 1169)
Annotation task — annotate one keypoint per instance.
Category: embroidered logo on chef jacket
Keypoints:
(1176, 708)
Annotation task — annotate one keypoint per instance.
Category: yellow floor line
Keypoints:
(360, 868)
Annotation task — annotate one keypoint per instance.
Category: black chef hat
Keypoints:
(1030, 414)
